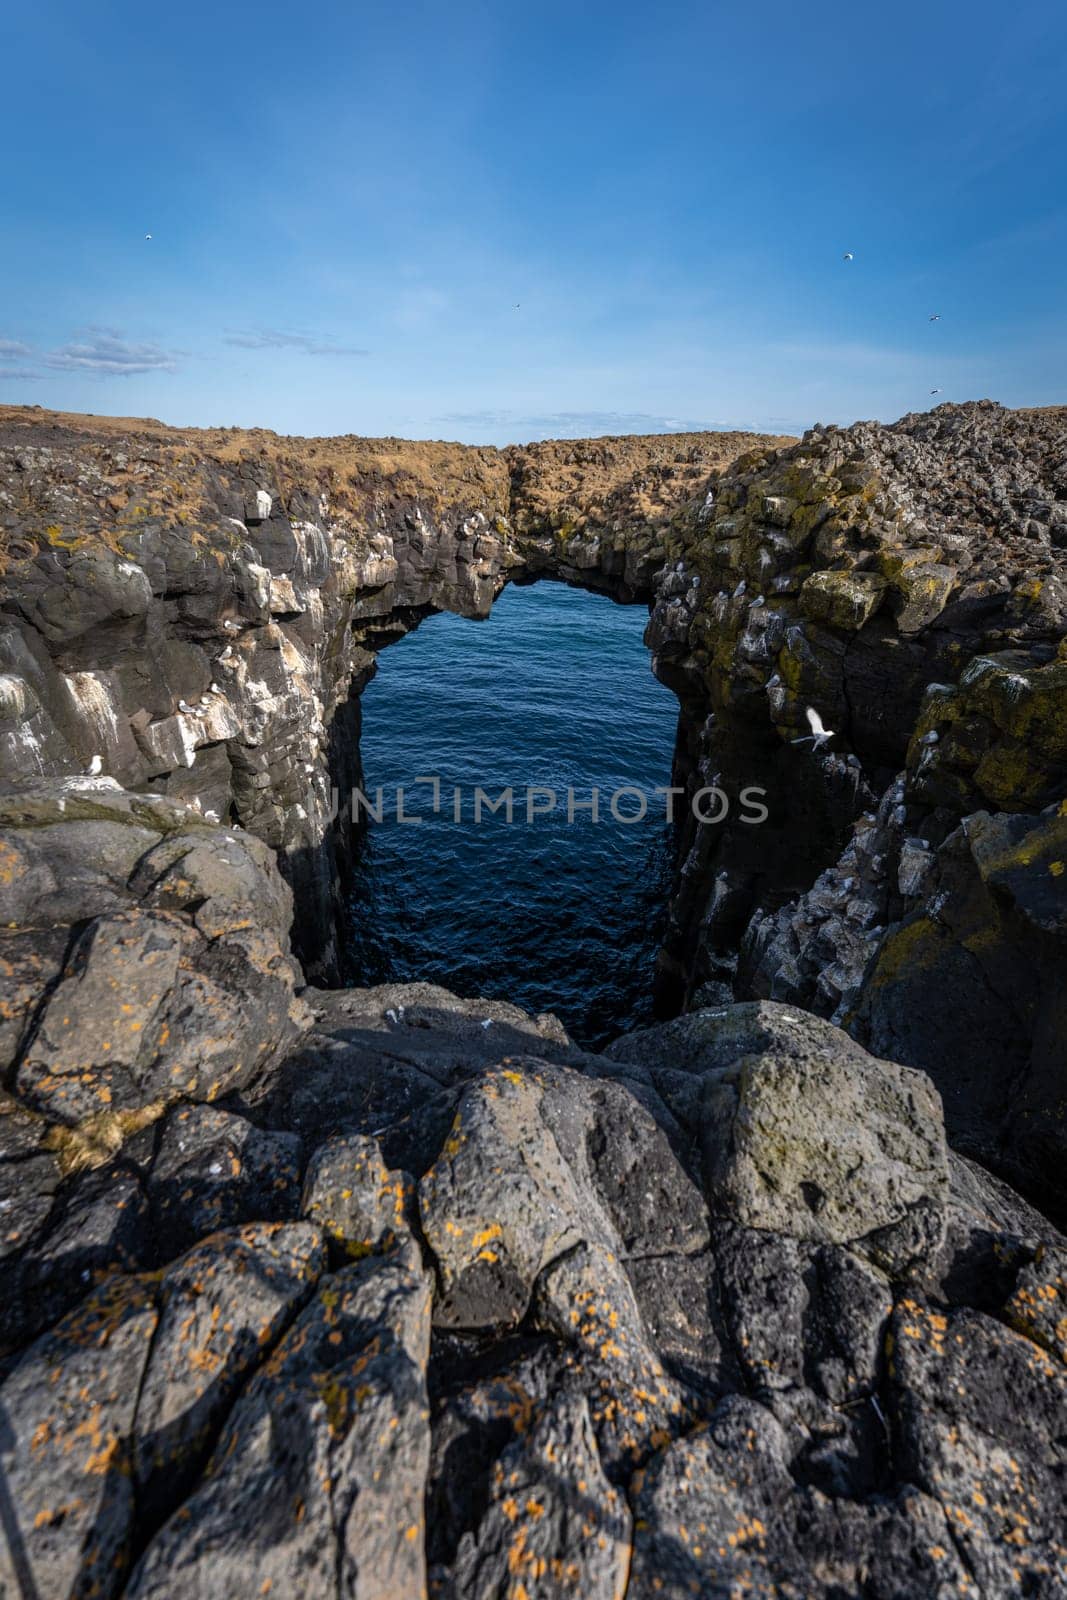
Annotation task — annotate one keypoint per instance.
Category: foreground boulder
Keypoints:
(714, 1312)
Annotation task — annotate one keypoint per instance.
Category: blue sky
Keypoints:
(494, 222)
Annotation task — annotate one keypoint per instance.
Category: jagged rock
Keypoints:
(97, 1225)
(995, 933)
(170, 982)
(1038, 1305)
(222, 1308)
(66, 1414)
(554, 1524)
(975, 1408)
(360, 1205)
(493, 1228)
(802, 1131)
(213, 1170)
(388, 1061)
(720, 1513)
(317, 1482)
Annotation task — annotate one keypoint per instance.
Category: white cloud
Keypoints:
(106, 353)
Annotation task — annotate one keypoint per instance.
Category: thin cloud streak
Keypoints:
(277, 339)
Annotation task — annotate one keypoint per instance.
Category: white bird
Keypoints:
(759, 601)
(930, 738)
(230, 626)
(211, 816)
(227, 653)
(148, 236)
(96, 765)
(818, 735)
(215, 689)
(773, 683)
(487, 1023)
(187, 710)
(848, 256)
(934, 318)
(739, 591)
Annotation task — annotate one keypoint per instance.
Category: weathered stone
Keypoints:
(66, 1415)
(554, 1524)
(222, 1308)
(814, 1138)
(975, 1408)
(842, 599)
(317, 1482)
(214, 1170)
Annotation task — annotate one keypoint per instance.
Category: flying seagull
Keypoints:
(818, 735)
(935, 391)
(934, 318)
(848, 256)
(148, 236)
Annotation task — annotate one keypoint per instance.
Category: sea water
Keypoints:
(553, 692)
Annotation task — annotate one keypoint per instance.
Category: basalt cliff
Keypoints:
(347, 1292)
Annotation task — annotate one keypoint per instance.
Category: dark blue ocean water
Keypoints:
(554, 690)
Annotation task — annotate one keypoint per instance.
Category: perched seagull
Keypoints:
(95, 766)
(848, 256)
(759, 601)
(487, 1022)
(773, 683)
(211, 816)
(188, 710)
(818, 735)
(231, 626)
(214, 689)
(227, 653)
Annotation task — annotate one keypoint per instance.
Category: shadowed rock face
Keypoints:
(369, 1292)
(380, 1292)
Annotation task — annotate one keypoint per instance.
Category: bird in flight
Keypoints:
(935, 391)
(818, 735)
(935, 318)
(848, 256)
(148, 236)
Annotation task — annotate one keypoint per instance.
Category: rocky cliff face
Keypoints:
(910, 583)
(364, 1292)
(195, 613)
